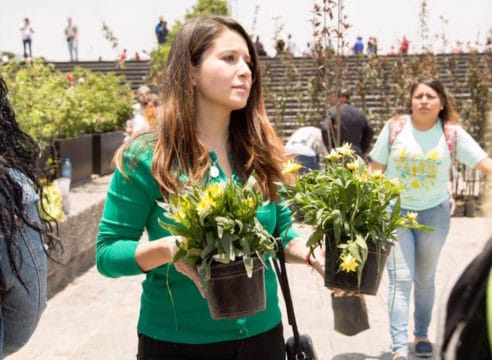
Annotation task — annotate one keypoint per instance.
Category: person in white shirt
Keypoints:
(306, 145)
(27, 32)
(71, 34)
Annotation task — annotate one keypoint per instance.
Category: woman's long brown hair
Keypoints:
(255, 145)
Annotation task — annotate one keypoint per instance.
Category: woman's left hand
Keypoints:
(317, 260)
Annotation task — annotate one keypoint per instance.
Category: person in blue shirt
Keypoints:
(420, 157)
(161, 31)
(359, 46)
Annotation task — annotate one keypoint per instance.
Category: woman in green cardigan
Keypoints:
(212, 125)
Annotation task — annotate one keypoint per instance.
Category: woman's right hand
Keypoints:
(190, 271)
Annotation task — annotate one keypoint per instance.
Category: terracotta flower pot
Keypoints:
(231, 294)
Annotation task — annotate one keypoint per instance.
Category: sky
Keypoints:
(133, 23)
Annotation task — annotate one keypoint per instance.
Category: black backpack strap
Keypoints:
(279, 265)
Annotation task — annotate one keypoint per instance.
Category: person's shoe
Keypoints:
(423, 349)
(400, 356)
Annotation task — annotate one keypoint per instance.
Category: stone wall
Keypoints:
(78, 233)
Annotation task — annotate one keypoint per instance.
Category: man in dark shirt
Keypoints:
(353, 125)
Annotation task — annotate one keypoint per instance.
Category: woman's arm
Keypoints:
(297, 252)
(485, 166)
(373, 166)
(152, 254)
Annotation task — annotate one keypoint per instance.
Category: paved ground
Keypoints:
(95, 317)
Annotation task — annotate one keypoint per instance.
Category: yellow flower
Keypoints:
(215, 190)
(345, 150)
(333, 156)
(411, 217)
(415, 184)
(376, 174)
(291, 167)
(363, 178)
(204, 204)
(251, 202)
(352, 166)
(179, 216)
(395, 182)
(348, 263)
(433, 155)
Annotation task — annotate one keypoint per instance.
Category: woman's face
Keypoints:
(223, 79)
(426, 102)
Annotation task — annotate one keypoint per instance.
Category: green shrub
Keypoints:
(49, 106)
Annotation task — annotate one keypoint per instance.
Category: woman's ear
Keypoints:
(194, 75)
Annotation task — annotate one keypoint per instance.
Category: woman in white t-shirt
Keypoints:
(419, 154)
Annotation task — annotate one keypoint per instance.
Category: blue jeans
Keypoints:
(72, 49)
(308, 162)
(413, 261)
(21, 305)
(26, 43)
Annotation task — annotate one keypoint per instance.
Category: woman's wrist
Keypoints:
(307, 258)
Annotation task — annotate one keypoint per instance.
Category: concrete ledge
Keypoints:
(78, 234)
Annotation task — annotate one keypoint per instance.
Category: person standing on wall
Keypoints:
(72, 37)
(428, 139)
(161, 31)
(404, 46)
(27, 33)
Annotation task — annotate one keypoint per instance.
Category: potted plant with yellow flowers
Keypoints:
(354, 214)
(225, 241)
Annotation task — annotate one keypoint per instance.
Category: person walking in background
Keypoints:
(123, 55)
(151, 108)
(279, 46)
(358, 46)
(260, 49)
(161, 31)
(308, 51)
(372, 46)
(72, 36)
(428, 139)
(145, 121)
(404, 45)
(353, 126)
(291, 46)
(306, 145)
(27, 33)
(138, 110)
(23, 234)
(212, 118)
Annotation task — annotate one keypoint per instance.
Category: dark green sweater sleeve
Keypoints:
(130, 200)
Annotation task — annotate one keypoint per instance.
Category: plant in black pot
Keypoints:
(225, 241)
(354, 214)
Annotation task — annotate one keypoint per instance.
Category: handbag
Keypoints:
(298, 347)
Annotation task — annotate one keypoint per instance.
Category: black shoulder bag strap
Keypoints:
(284, 285)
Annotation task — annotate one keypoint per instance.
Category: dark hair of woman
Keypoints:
(18, 151)
(448, 113)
